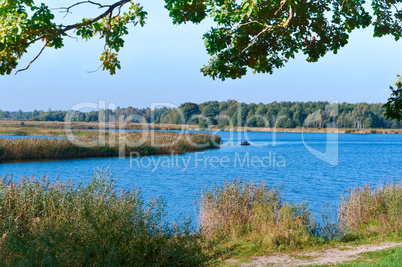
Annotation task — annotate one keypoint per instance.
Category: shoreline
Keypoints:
(53, 126)
(241, 224)
(132, 144)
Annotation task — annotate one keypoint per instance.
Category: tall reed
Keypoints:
(52, 224)
(156, 143)
(253, 212)
(43, 223)
(370, 211)
(248, 213)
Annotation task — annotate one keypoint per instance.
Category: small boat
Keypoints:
(244, 143)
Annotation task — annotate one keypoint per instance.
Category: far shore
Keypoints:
(6, 127)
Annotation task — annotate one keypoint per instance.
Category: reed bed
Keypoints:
(39, 131)
(78, 130)
(44, 223)
(113, 144)
(42, 125)
(93, 224)
(243, 211)
(369, 211)
(253, 218)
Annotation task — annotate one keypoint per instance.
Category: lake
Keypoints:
(302, 168)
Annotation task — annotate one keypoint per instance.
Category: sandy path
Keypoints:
(329, 256)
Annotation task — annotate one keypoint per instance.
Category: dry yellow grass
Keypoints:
(253, 212)
(8, 124)
(114, 144)
(368, 211)
(248, 218)
(91, 224)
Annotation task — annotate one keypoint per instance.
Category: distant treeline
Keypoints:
(221, 114)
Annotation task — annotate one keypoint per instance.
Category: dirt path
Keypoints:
(329, 256)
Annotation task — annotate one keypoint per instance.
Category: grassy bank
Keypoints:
(244, 219)
(389, 257)
(49, 128)
(94, 224)
(113, 145)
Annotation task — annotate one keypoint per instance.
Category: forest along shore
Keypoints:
(56, 128)
(224, 114)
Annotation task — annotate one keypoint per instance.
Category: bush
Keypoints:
(43, 223)
(367, 211)
(239, 213)
(247, 211)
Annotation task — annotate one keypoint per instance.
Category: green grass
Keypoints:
(388, 258)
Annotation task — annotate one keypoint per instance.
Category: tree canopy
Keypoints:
(24, 23)
(393, 108)
(260, 35)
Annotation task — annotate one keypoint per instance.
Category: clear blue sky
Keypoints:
(161, 63)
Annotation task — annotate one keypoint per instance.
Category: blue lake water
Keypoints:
(277, 159)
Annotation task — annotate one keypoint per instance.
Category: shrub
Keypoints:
(368, 211)
(43, 223)
(239, 212)
(253, 212)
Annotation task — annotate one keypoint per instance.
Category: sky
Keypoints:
(161, 64)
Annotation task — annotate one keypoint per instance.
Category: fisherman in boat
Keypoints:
(244, 143)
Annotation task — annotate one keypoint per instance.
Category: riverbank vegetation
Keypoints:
(369, 211)
(84, 129)
(112, 145)
(246, 218)
(45, 223)
(232, 113)
(53, 224)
